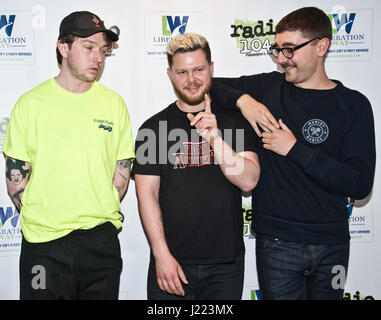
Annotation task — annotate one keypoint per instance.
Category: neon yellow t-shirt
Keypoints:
(72, 142)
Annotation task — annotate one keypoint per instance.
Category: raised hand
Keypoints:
(205, 121)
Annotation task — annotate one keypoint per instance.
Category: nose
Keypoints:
(281, 58)
(98, 56)
(190, 76)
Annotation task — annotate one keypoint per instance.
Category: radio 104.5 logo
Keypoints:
(352, 32)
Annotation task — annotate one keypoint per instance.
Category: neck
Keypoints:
(190, 108)
(325, 84)
(319, 81)
(67, 81)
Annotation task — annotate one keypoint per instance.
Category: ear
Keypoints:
(63, 48)
(169, 72)
(323, 46)
(212, 69)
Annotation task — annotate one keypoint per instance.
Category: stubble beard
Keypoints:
(195, 100)
(80, 76)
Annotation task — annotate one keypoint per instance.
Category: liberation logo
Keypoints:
(343, 21)
(170, 27)
(351, 34)
(10, 231)
(160, 28)
(254, 38)
(6, 24)
(173, 25)
(16, 38)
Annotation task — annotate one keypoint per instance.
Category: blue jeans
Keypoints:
(297, 271)
(221, 281)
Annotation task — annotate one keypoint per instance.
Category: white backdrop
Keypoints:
(137, 72)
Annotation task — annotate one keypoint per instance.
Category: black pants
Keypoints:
(221, 281)
(85, 264)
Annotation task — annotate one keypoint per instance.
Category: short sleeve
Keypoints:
(15, 144)
(126, 142)
(147, 153)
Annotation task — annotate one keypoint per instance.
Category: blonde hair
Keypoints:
(185, 43)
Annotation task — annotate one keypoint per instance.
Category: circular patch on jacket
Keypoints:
(315, 131)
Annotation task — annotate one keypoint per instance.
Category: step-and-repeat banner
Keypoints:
(240, 33)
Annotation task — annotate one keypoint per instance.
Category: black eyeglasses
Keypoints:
(288, 52)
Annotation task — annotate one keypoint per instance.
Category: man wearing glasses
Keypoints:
(318, 149)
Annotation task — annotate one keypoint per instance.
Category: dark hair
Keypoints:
(311, 21)
(67, 38)
(15, 165)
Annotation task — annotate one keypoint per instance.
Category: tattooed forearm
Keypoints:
(124, 164)
(16, 197)
(125, 178)
(16, 170)
(122, 177)
(17, 173)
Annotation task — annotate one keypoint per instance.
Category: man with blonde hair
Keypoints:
(190, 202)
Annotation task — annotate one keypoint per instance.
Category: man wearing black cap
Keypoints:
(73, 137)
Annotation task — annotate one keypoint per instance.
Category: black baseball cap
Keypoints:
(83, 24)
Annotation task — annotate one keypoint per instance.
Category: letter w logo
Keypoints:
(5, 215)
(7, 24)
(174, 25)
(344, 21)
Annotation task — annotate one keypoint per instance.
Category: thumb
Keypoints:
(182, 276)
(190, 117)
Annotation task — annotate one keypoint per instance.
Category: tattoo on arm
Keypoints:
(124, 164)
(17, 173)
(17, 198)
(125, 178)
(122, 176)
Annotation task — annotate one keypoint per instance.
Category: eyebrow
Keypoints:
(86, 40)
(286, 44)
(92, 42)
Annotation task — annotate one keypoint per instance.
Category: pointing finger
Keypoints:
(207, 103)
